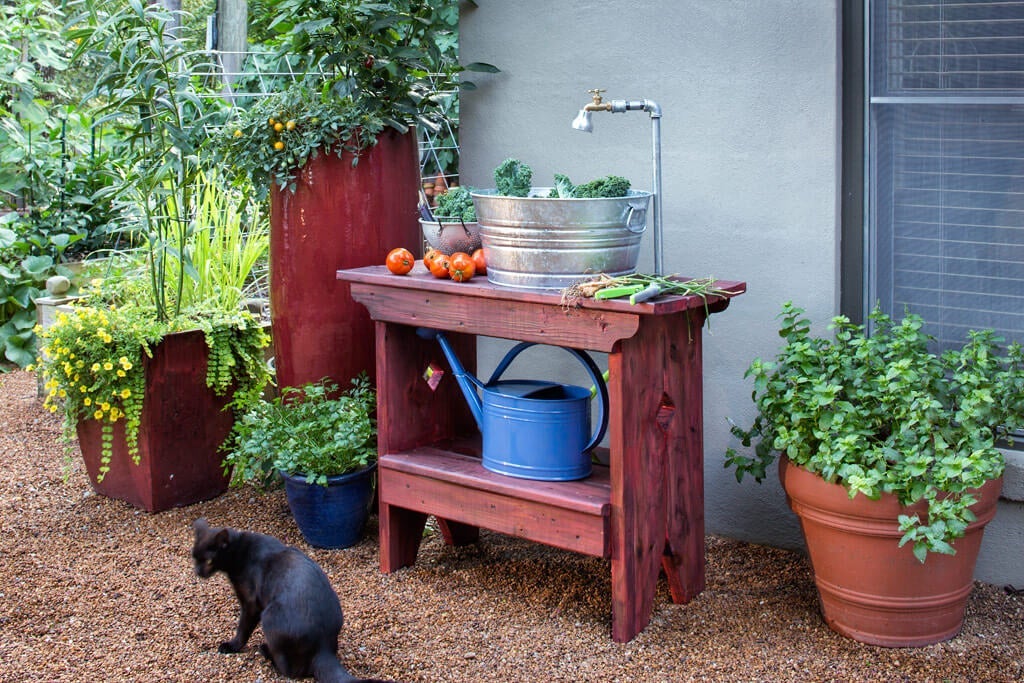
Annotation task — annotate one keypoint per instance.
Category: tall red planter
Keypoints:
(182, 427)
(871, 589)
(340, 216)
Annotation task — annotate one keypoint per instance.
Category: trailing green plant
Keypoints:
(92, 361)
(881, 413)
(310, 430)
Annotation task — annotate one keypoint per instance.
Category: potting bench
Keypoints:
(643, 512)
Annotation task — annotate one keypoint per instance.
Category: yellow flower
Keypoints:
(108, 365)
(95, 367)
(87, 401)
(125, 393)
(98, 415)
(238, 133)
(104, 406)
(120, 372)
(83, 389)
(62, 393)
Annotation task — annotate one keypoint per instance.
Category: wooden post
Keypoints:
(232, 37)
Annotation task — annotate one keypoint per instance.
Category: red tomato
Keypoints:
(437, 262)
(480, 261)
(461, 267)
(400, 261)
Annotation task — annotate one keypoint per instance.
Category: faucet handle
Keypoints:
(596, 94)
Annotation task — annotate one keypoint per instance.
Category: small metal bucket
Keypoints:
(540, 243)
(532, 429)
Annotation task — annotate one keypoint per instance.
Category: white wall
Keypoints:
(750, 91)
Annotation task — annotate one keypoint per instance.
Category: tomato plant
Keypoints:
(400, 261)
(461, 267)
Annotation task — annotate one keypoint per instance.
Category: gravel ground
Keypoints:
(93, 590)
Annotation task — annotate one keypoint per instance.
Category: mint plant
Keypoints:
(881, 413)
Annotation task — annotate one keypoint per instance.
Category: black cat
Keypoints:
(286, 590)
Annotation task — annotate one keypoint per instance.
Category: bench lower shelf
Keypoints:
(456, 488)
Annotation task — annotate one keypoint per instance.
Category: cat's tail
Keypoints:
(327, 669)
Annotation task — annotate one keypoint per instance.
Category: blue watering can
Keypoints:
(532, 429)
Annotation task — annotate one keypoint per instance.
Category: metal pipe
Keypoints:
(583, 122)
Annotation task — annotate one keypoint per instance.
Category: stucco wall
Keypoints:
(750, 92)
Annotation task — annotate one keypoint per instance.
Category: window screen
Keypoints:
(946, 164)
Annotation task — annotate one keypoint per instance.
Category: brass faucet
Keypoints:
(597, 104)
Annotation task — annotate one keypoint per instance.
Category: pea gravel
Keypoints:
(93, 590)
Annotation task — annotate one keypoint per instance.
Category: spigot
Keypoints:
(583, 122)
(597, 104)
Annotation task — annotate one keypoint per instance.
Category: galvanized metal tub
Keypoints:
(540, 243)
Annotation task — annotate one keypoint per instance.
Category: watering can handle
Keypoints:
(592, 369)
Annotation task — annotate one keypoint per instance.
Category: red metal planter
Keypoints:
(339, 217)
(871, 589)
(183, 424)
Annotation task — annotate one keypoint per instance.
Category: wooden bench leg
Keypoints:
(456, 533)
(400, 533)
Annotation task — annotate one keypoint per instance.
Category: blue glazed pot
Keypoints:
(331, 516)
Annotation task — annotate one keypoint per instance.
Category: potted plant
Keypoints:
(338, 152)
(324, 445)
(145, 366)
(889, 457)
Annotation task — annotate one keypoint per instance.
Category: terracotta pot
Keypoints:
(182, 426)
(871, 589)
(339, 217)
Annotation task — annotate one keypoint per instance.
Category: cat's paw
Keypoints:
(228, 647)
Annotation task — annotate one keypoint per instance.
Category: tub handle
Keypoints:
(636, 219)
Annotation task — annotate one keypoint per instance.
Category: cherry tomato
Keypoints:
(480, 261)
(461, 267)
(400, 261)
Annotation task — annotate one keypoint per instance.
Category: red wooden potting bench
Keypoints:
(644, 512)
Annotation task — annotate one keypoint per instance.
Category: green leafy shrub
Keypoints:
(309, 430)
(883, 414)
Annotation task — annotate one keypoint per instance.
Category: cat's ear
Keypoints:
(222, 538)
(200, 525)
